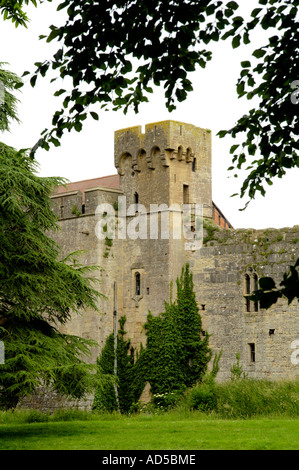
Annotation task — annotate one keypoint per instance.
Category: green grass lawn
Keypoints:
(153, 432)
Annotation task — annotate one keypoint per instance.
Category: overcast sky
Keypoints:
(213, 104)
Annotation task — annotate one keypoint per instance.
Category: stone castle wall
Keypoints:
(170, 164)
(219, 276)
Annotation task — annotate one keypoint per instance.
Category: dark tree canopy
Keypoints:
(38, 290)
(268, 135)
(117, 51)
(114, 52)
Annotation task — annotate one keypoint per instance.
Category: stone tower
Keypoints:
(160, 170)
(170, 163)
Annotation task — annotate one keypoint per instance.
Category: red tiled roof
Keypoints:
(111, 181)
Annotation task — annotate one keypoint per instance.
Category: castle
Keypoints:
(159, 171)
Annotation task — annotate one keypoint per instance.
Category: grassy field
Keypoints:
(238, 415)
(168, 431)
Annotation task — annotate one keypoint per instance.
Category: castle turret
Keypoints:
(170, 163)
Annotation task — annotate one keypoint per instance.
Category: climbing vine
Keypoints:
(177, 353)
(175, 357)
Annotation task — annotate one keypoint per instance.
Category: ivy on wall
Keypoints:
(175, 357)
(177, 354)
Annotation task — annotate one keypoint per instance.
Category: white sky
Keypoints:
(213, 104)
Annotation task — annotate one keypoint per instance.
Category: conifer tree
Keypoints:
(105, 398)
(195, 351)
(176, 353)
(38, 290)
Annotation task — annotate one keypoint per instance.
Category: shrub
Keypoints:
(165, 401)
(203, 397)
(247, 398)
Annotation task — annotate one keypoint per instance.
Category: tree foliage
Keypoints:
(129, 379)
(268, 293)
(105, 398)
(114, 52)
(268, 135)
(8, 102)
(175, 357)
(38, 291)
(14, 10)
(177, 353)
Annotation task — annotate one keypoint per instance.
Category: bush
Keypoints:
(23, 416)
(165, 401)
(246, 398)
(203, 397)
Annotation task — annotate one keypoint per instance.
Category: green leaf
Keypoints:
(236, 41)
(59, 92)
(94, 115)
(33, 80)
(245, 64)
(233, 148)
(258, 53)
(255, 12)
(232, 5)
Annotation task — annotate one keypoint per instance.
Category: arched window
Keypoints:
(247, 284)
(137, 284)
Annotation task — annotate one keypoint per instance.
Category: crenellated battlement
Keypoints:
(161, 143)
(72, 204)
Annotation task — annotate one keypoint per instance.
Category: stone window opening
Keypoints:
(137, 284)
(250, 286)
(247, 292)
(252, 352)
(255, 303)
(185, 194)
(136, 201)
(194, 164)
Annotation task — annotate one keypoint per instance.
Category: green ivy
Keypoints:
(175, 357)
(177, 353)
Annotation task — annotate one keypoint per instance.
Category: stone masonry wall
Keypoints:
(156, 165)
(219, 271)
